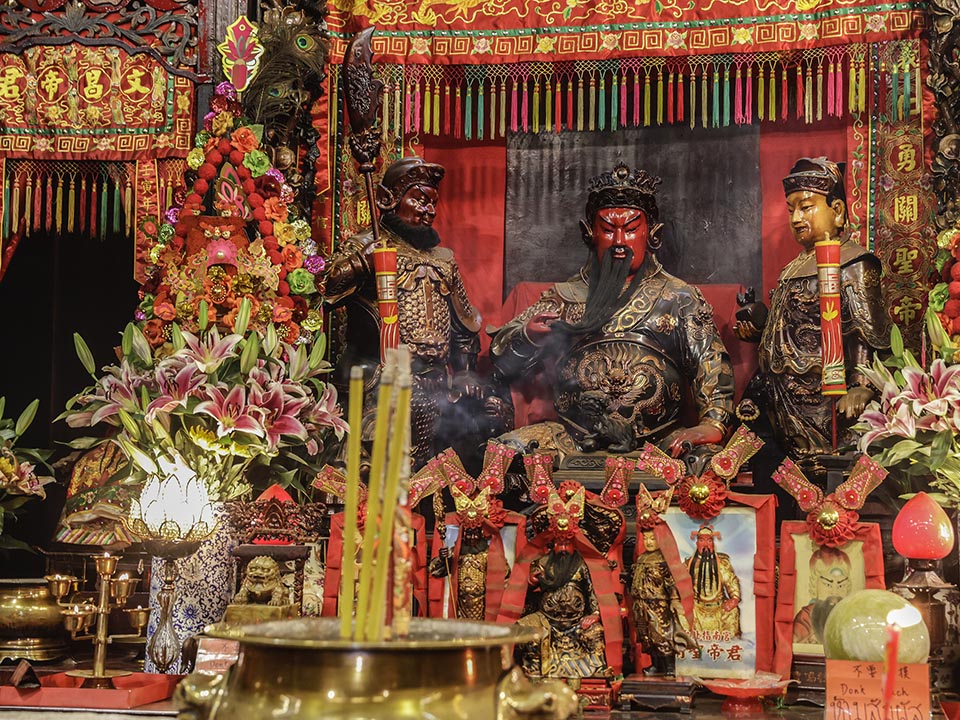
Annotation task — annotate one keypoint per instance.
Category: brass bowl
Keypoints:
(301, 668)
(31, 626)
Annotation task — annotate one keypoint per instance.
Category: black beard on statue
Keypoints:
(604, 296)
(421, 237)
(704, 571)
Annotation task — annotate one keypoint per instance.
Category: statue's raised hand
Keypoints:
(538, 326)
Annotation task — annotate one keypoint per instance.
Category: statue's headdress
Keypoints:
(622, 188)
(818, 175)
(404, 174)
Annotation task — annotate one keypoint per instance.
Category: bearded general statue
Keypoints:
(623, 341)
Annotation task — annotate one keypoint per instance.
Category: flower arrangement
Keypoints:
(944, 297)
(219, 405)
(250, 246)
(19, 482)
(913, 426)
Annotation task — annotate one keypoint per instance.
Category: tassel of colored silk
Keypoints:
(480, 113)
(681, 91)
(659, 96)
(103, 210)
(636, 95)
(670, 91)
(801, 101)
(94, 207)
(838, 89)
(831, 71)
(427, 106)
(28, 205)
(703, 98)
(82, 225)
(569, 95)
(761, 86)
(468, 113)
(647, 100)
(407, 104)
(784, 94)
(503, 107)
(592, 117)
(48, 200)
(602, 115)
(906, 92)
(5, 227)
(852, 87)
(772, 95)
(128, 207)
(15, 207)
(536, 104)
(514, 105)
(693, 97)
(623, 101)
(726, 96)
(458, 115)
(384, 124)
(715, 74)
(416, 107)
(525, 110)
(820, 90)
(614, 100)
(59, 211)
(72, 205)
(38, 205)
(748, 99)
(808, 95)
(580, 110)
(862, 86)
(436, 108)
(557, 103)
(116, 208)
(738, 98)
(493, 108)
(895, 94)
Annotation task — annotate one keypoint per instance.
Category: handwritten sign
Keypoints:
(855, 691)
(216, 655)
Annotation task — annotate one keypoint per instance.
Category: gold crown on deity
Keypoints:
(622, 188)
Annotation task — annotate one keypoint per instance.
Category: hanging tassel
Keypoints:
(715, 74)
(103, 209)
(407, 105)
(580, 108)
(880, 79)
(838, 89)
(27, 205)
(820, 90)
(726, 96)
(602, 114)
(468, 113)
(623, 101)
(681, 93)
(808, 95)
(94, 207)
(15, 207)
(480, 112)
(615, 100)
(748, 97)
(852, 87)
(801, 100)
(670, 90)
(82, 225)
(862, 85)
(38, 205)
(557, 114)
(660, 96)
(514, 106)
(895, 93)
(831, 100)
(48, 199)
(536, 104)
(738, 97)
(693, 97)
(592, 118)
(569, 95)
(493, 108)
(458, 115)
(703, 98)
(427, 106)
(446, 111)
(72, 205)
(59, 211)
(397, 105)
(416, 107)
(772, 95)
(5, 227)
(436, 108)
(784, 94)
(116, 207)
(525, 111)
(503, 107)
(384, 124)
(761, 94)
(646, 100)
(128, 207)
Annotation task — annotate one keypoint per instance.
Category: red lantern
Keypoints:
(922, 530)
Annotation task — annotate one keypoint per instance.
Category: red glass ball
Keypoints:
(922, 530)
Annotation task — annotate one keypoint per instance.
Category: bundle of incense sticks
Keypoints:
(389, 476)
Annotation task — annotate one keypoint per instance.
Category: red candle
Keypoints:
(890, 666)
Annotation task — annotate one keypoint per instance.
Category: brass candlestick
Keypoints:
(113, 593)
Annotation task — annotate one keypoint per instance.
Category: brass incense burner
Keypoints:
(302, 669)
(30, 623)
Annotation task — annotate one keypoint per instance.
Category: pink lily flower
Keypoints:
(231, 411)
(279, 414)
(210, 352)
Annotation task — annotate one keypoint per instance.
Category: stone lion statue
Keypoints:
(261, 584)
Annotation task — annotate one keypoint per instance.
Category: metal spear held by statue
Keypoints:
(361, 91)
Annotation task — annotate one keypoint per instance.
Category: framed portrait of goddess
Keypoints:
(731, 560)
(814, 578)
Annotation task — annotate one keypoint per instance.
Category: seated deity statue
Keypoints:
(788, 385)
(622, 342)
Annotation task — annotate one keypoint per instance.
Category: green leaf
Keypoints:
(86, 357)
(129, 424)
(3, 406)
(270, 341)
(9, 543)
(318, 351)
(126, 340)
(179, 343)
(902, 450)
(243, 317)
(26, 417)
(251, 351)
(942, 444)
(257, 130)
(141, 348)
(84, 443)
(138, 457)
(203, 318)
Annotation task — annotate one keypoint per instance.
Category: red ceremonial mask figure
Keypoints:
(567, 582)
(832, 520)
(474, 552)
(334, 482)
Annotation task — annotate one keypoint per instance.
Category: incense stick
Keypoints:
(349, 561)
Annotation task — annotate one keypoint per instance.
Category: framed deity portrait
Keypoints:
(814, 578)
(731, 560)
